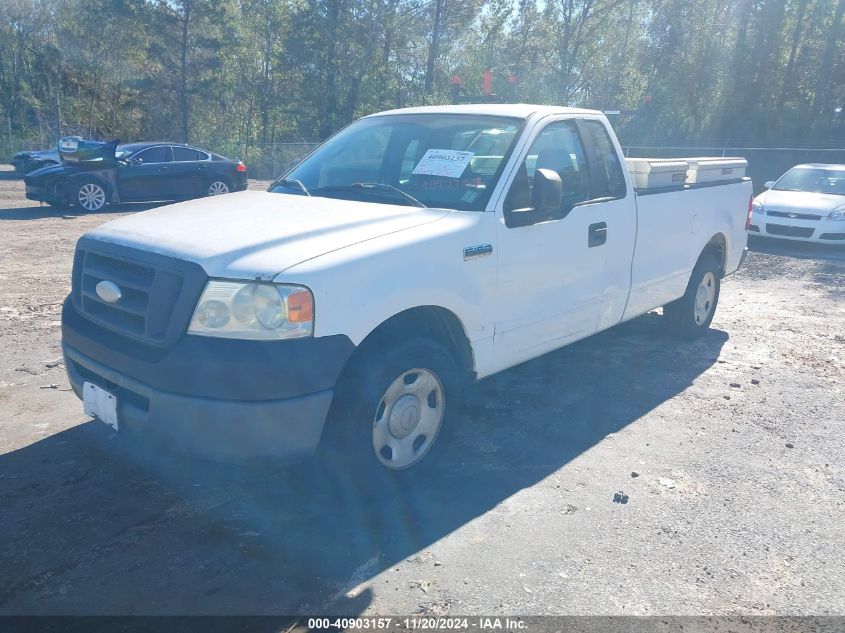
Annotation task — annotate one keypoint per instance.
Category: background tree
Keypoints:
(241, 75)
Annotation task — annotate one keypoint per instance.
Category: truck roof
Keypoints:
(516, 110)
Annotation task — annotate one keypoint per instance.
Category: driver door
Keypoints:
(550, 271)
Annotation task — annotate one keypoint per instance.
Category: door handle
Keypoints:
(597, 234)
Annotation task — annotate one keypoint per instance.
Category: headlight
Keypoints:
(236, 309)
(837, 214)
(756, 207)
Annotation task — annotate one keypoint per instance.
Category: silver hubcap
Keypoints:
(408, 419)
(91, 197)
(216, 188)
(704, 297)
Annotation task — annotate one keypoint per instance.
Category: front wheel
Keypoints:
(691, 315)
(396, 404)
(91, 196)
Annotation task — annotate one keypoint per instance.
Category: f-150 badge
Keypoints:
(472, 252)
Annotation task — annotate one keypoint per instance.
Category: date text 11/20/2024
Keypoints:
(418, 623)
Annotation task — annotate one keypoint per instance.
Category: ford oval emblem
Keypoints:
(108, 291)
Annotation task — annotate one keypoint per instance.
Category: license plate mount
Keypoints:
(100, 404)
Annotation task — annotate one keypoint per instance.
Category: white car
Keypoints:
(413, 252)
(807, 203)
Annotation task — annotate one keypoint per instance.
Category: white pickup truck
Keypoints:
(413, 252)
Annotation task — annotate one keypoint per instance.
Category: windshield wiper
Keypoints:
(298, 183)
(384, 187)
(378, 186)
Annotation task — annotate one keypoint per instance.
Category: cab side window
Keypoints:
(559, 148)
(608, 177)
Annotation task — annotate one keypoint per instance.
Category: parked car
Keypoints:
(93, 174)
(807, 203)
(351, 303)
(25, 162)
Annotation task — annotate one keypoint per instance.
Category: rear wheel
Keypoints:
(394, 406)
(691, 315)
(217, 188)
(91, 196)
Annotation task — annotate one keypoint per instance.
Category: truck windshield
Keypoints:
(814, 180)
(435, 160)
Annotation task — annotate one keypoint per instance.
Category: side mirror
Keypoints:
(545, 199)
(135, 161)
(769, 184)
(548, 190)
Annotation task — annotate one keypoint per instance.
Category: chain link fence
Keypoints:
(264, 161)
(764, 163)
(268, 161)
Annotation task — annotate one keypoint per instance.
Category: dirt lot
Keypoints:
(729, 449)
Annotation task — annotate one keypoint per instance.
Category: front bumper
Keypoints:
(39, 194)
(216, 397)
(823, 231)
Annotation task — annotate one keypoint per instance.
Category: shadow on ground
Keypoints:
(776, 260)
(92, 524)
(799, 250)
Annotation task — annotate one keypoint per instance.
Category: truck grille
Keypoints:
(793, 215)
(147, 297)
(791, 231)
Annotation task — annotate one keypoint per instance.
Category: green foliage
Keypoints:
(243, 75)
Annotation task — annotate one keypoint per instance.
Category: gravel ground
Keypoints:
(725, 456)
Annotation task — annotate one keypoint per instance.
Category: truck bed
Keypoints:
(666, 218)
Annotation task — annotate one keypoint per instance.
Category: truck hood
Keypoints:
(257, 235)
(800, 201)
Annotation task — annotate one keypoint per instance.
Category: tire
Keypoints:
(393, 408)
(217, 187)
(90, 195)
(691, 315)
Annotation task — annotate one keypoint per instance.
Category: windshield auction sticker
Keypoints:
(448, 163)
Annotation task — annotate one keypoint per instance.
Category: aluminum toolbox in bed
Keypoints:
(715, 169)
(657, 173)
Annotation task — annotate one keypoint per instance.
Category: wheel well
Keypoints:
(433, 322)
(717, 246)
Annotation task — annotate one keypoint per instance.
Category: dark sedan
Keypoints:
(92, 174)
